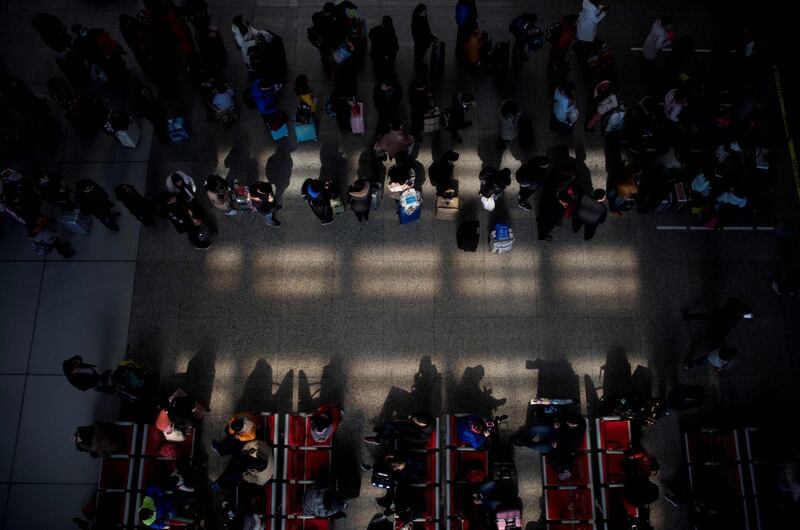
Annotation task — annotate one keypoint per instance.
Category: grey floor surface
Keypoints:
(377, 317)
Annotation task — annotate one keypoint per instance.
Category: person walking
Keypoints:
(264, 95)
(83, 376)
(590, 213)
(591, 15)
(421, 33)
(530, 176)
(458, 113)
(318, 198)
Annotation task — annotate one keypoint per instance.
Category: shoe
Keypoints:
(231, 213)
(215, 447)
(372, 440)
(275, 223)
(366, 467)
(525, 206)
(327, 222)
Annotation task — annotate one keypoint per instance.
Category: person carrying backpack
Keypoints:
(264, 94)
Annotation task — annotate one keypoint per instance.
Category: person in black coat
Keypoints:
(263, 196)
(530, 176)
(184, 219)
(83, 376)
(318, 198)
(93, 200)
(139, 206)
(421, 33)
(387, 96)
(359, 199)
(419, 98)
(441, 172)
(384, 47)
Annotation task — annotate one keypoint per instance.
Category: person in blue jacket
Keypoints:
(156, 510)
(472, 430)
(264, 96)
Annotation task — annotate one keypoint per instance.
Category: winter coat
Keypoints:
(590, 211)
(264, 99)
(421, 30)
(658, 39)
(359, 204)
(395, 142)
(588, 20)
(509, 126)
(563, 107)
(258, 450)
(189, 187)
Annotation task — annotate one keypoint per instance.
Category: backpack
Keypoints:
(552, 33)
(130, 379)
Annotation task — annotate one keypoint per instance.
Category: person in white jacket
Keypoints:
(591, 15)
(565, 113)
(660, 37)
(245, 35)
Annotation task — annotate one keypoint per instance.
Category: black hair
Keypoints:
(237, 425)
(727, 353)
(301, 84)
(321, 421)
(599, 194)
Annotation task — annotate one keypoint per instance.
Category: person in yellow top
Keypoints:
(305, 96)
(242, 428)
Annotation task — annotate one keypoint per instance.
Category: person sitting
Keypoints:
(404, 468)
(254, 464)
(218, 191)
(415, 430)
(222, 98)
(240, 430)
(324, 422)
(473, 431)
(101, 438)
(639, 463)
(539, 437)
(323, 501)
(157, 510)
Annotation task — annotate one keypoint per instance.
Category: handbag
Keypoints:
(488, 203)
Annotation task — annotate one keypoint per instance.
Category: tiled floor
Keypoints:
(376, 317)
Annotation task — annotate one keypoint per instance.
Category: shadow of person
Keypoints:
(470, 397)
(489, 152)
(370, 168)
(200, 372)
(426, 393)
(328, 390)
(333, 164)
(557, 379)
(615, 374)
(583, 176)
(279, 169)
(257, 390)
(240, 162)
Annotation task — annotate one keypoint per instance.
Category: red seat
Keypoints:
(464, 461)
(711, 446)
(616, 506)
(569, 504)
(570, 526)
(308, 524)
(433, 441)
(154, 440)
(317, 465)
(129, 431)
(432, 467)
(613, 435)
(116, 474)
(611, 468)
(581, 472)
(296, 430)
(294, 499)
(269, 424)
(295, 464)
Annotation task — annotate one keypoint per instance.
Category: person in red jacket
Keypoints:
(324, 422)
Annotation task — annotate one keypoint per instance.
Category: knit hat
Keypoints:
(359, 189)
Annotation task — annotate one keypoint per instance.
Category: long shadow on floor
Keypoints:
(328, 390)
(425, 395)
(469, 396)
(257, 391)
(279, 169)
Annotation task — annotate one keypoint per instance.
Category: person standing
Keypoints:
(264, 95)
(186, 218)
(591, 15)
(384, 47)
(83, 376)
(530, 177)
(565, 113)
(421, 33)
(419, 98)
(467, 20)
(719, 358)
(441, 173)
(263, 196)
(318, 198)
(93, 200)
(590, 213)
(359, 199)
(458, 112)
(387, 96)
(325, 32)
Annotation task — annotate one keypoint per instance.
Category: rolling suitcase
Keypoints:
(376, 194)
(430, 120)
(75, 222)
(468, 236)
(176, 128)
(357, 118)
(279, 127)
(305, 132)
(446, 208)
(437, 58)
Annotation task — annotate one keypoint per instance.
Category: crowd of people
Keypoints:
(697, 137)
